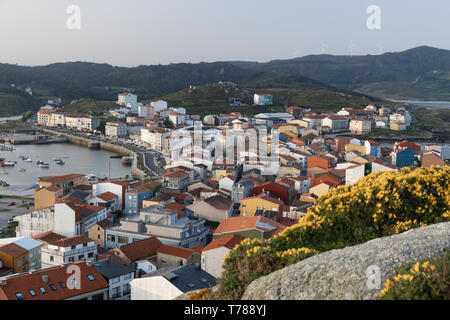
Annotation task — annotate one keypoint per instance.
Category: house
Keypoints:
(248, 227)
(66, 218)
(242, 189)
(135, 197)
(67, 182)
(404, 158)
(68, 250)
(373, 148)
(46, 196)
(114, 186)
(215, 208)
(171, 283)
(160, 199)
(118, 278)
(397, 126)
(21, 254)
(380, 165)
(354, 173)
(336, 123)
(263, 99)
(226, 183)
(360, 126)
(126, 98)
(431, 159)
(399, 146)
(176, 181)
(321, 188)
(277, 190)
(249, 206)
(214, 253)
(173, 256)
(129, 254)
(97, 232)
(157, 221)
(56, 284)
(107, 200)
(116, 129)
(320, 161)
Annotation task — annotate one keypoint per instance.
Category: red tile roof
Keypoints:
(107, 196)
(72, 241)
(34, 281)
(176, 251)
(237, 224)
(228, 242)
(141, 249)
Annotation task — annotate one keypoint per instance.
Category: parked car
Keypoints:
(11, 204)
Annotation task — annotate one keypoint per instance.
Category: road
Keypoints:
(151, 161)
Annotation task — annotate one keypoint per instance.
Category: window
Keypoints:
(111, 238)
(122, 240)
(91, 277)
(20, 296)
(81, 257)
(84, 244)
(90, 254)
(53, 287)
(163, 261)
(71, 259)
(98, 237)
(62, 285)
(73, 282)
(43, 290)
(32, 292)
(73, 247)
(52, 258)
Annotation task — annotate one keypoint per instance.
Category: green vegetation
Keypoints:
(378, 205)
(14, 101)
(93, 107)
(10, 231)
(423, 280)
(419, 73)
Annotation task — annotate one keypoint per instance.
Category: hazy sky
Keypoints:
(133, 32)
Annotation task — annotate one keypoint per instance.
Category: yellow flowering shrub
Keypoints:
(426, 280)
(378, 205)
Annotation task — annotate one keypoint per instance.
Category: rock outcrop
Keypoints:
(352, 273)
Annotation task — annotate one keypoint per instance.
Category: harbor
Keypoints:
(21, 168)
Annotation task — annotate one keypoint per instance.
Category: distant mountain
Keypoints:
(419, 73)
(74, 80)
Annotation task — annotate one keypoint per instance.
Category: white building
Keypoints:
(336, 123)
(66, 219)
(155, 138)
(354, 173)
(118, 277)
(116, 129)
(115, 187)
(68, 250)
(126, 98)
(214, 252)
(263, 99)
(403, 117)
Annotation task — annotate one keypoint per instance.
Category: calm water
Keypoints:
(79, 160)
(429, 104)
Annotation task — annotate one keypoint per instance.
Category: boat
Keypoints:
(57, 159)
(44, 165)
(7, 164)
(60, 162)
(39, 162)
(4, 172)
(28, 160)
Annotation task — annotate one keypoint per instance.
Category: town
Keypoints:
(210, 184)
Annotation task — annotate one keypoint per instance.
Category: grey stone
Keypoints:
(343, 274)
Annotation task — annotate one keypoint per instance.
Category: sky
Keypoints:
(144, 32)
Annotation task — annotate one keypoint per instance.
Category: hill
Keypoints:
(102, 82)
(14, 101)
(419, 73)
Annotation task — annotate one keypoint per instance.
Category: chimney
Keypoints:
(45, 279)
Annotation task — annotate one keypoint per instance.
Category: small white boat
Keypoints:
(4, 172)
(44, 165)
(28, 160)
